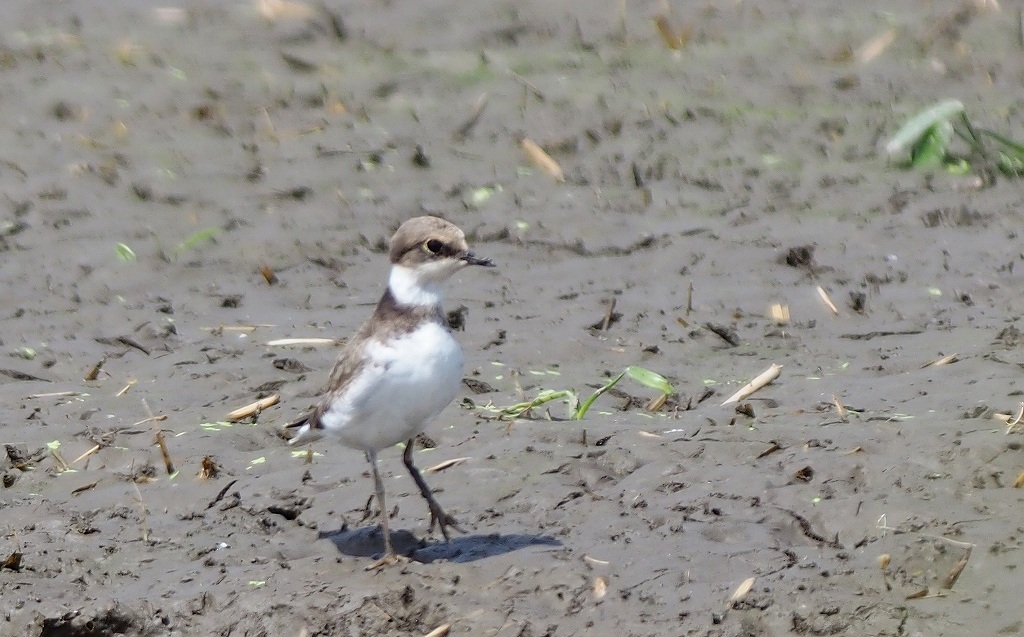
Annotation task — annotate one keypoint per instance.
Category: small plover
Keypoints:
(402, 367)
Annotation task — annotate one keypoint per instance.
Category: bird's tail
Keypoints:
(308, 430)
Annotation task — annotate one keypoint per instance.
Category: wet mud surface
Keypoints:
(218, 146)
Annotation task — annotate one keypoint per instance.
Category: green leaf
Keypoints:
(124, 253)
(25, 352)
(918, 126)
(544, 396)
(960, 167)
(204, 235)
(650, 379)
(479, 196)
(932, 149)
(215, 426)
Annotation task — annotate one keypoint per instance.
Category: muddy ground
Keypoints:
(748, 165)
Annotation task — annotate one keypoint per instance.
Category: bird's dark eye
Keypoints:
(433, 246)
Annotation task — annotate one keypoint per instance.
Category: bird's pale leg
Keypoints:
(390, 557)
(437, 514)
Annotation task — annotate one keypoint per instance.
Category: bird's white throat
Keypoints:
(409, 288)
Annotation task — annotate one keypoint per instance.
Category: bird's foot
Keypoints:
(439, 517)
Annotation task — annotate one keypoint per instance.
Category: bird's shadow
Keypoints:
(369, 542)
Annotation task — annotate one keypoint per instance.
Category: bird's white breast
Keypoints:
(405, 383)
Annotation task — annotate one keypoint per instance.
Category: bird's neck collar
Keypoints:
(410, 289)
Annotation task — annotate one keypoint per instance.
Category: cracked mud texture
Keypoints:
(747, 166)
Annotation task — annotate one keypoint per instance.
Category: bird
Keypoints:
(402, 367)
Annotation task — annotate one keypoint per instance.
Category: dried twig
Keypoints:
(143, 514)
(268, 127)
(675, 39)
(95, 371)
(609, 313)
(772, 448)
(168, 463)
(779, 313)
(440, 631)
(875, 47)
(1012, 422)
(763, 379)
(957, 569)
(290, 342)
(125, 389)
(467, 127)
(56, 394)
(840, 409)
(86, 454)
(536, 92)
(268, 275)
(828, 301)
(447, 464)
(253, 409)
(275, 10)
(542, 159)
(221, 494)
(84, 488)
(742, 590)
(945, 360)
(61, 463)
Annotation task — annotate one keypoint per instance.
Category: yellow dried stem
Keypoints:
(537, 155)
(763, 379)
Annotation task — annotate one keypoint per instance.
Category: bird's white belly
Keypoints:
(404, 385)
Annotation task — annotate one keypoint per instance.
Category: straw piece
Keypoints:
(253, 408)
(542, 159)
(763, 379)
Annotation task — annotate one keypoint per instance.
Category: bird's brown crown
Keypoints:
(423, 239)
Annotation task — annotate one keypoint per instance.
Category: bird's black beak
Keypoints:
(472, 259)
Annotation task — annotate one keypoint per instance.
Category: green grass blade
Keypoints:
(971, 136)
(585, 407)
(1010, 165)
(1009, 144)
(124, 253)
(917, 126)
(204, 235)
(544, 396)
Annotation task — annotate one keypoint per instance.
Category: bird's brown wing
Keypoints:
(349, 362)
